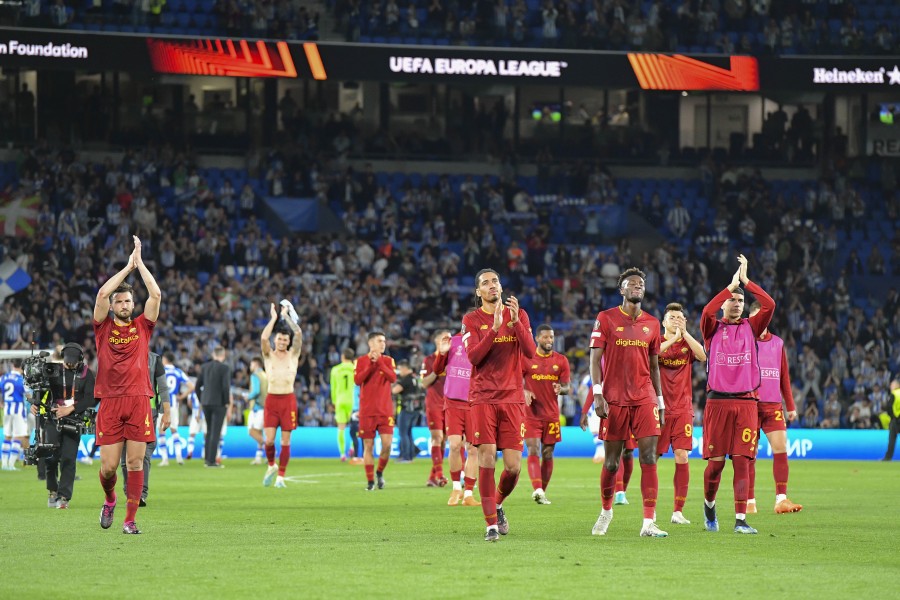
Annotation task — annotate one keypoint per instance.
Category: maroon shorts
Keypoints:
(676, 432)
(458, 420)
(280, 411)
(500, 424)
(730, 427)
(771, 416)
(369, 425)
(434, 415)
(630, 443)
(545, 429)
(625, 422)
(125, 418)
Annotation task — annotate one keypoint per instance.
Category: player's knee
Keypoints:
(547, 451)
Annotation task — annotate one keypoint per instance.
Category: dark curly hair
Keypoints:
(628, 273)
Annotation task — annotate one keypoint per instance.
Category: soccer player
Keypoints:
(627, 393)
(280, 410)
(434, 407)
(677, 353)
(546, 378)
(180, 388)
(590, 420)
(342, 397)
(123, 384)
(453, 361)
(259, 389)
(496, 335)
(374, 374)
(773, 418)
(15, 415)
(730, 421)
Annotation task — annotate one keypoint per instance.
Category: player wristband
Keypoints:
(598, 388)
(660, 403)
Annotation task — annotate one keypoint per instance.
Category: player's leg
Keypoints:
(7, 450)
(257, 435)
(110, 455)
(717, 425)
(623, 475)
(778, 443)
(546, 465)
(533, 463)
(649, 477)
(174, 438)
(369, 458)
(437, 457)
(354, 440)
(742, 452)
(163, 443)
(470, 472)
(145, 490)
(272, 469)
(387, 438)
(613, 451)
(456, 469)
(342, 441)
(487, 461)
(510, 437)
(284, 456)
(134, 461)
(681, 481)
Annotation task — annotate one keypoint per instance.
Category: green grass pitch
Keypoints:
(219, 533)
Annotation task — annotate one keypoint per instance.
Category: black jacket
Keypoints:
(214, 384)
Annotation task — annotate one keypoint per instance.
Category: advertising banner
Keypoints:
(320, 442)
(237, 57)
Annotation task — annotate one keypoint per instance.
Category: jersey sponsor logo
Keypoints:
(117, 341)
(547, 377)
(770, 373)
(534, 366)
(640, 343)
(673, 362)
(504, 339)
(483, 327)
(742, 358)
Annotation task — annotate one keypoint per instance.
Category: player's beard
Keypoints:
(124, 316)
(546, 348)
(636, 298)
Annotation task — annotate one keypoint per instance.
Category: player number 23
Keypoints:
(748, 435)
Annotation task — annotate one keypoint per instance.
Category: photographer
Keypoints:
(72, 396)
(412, 401)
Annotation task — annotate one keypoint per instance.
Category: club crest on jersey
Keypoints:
(684, 350)
(556, 367)
(597, 324)
(132, 330)
(645, 329)
(620, 329)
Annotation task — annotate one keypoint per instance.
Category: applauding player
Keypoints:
(496, 336)
(374, 375)
(677, 354)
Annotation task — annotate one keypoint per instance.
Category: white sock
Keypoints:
(494, 527)
(457, 485)
(176, 446)
(740, 516)
(539, 491)
(780, 497)
(190, 448)
(709, 504)
(6, 447)
(499, 506)
(15, 453)
(468, 494)
(163, 447)
(260, 451)
(219, 451)
(647, 521)
(751, 500)
(606, 513)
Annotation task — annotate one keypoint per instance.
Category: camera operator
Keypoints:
(160, 396)
(72, 397)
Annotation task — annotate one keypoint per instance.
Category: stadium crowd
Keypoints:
(729, 26)
(406, 262)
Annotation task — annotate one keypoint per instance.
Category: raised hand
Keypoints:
(444, 345)
(513, 303)
(136, 254)
(273, 313)
(498, 317)
(742, 269)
